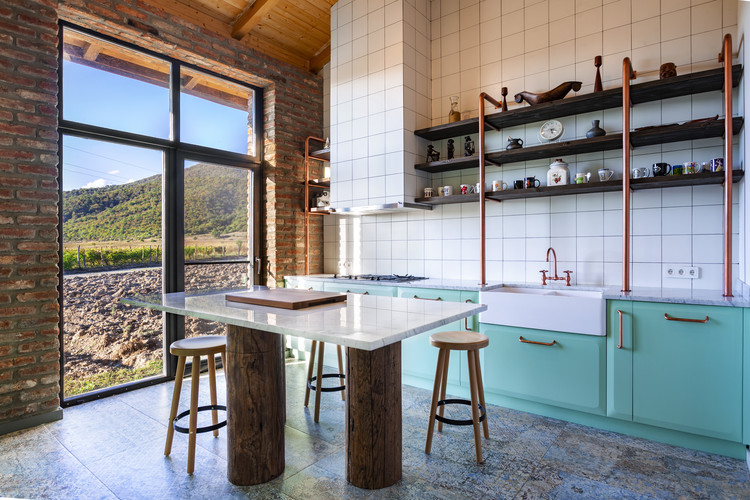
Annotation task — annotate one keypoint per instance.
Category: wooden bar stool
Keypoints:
(208, 345)
(470, 342)
(318, 387)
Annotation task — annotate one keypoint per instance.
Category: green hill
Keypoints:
(215, 202)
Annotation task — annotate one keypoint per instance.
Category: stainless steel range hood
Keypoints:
(398, 206)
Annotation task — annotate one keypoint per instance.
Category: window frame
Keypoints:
(173, 200)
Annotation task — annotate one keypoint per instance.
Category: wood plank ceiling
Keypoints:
(294, 31)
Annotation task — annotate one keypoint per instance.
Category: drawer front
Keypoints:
(382, 291)
(569, 373)
(687, 375)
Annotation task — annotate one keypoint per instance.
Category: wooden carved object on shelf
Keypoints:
(667, 70)
(504, 92)
(551, 95)
(598, 80)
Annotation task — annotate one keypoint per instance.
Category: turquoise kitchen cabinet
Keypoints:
(746, 381)
(619, 359)
(686, 367)
(555, 368)
(419, 358)
(383, 291)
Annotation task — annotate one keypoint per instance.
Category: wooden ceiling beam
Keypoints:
(91, 51)
(321, 58)
(251, 17)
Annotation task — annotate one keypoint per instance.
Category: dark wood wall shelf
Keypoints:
(319, 183)
(644, 137)
(321, 154)
(692, 83)
(703, 178)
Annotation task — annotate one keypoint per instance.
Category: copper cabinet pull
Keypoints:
(671, 318)
(466, 319)
(619, 346)
(422, 298)
(358, 293)
(537, 343)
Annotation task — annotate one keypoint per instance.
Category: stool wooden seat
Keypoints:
(208, 345)
(470, 342)
(318, 379)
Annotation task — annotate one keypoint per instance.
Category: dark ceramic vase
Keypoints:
(596, 130)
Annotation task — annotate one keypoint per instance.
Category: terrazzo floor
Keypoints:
(113, 448)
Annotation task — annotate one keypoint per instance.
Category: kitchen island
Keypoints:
(370, 327)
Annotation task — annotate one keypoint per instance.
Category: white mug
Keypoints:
(478, 188)
(448, 190)
(639, 173)
(605, 174)
(441, 190)
(428, 192)
(498, 185)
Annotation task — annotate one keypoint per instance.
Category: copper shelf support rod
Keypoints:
(521, 339)
(482, 234)
(688, 320)
(627, 74)
(726, 57)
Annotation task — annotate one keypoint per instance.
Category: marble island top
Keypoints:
(365, 322)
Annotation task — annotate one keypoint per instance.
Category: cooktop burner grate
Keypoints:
(392, 278)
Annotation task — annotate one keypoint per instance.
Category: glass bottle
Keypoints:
(454, 115)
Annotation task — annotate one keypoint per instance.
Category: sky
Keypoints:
(104, 99)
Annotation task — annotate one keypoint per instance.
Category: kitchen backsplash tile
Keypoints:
(469, 47)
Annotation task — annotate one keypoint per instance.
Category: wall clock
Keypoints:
(551, 130)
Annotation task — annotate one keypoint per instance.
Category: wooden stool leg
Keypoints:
(212, 390)
(310, 366)
(474, 409)
(443, 386)
(341, 369)
(175, 403)
(480, 390)
(194, 384)
(319, 380)
(435, 394)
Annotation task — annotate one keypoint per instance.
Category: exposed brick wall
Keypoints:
(29, 360)
(29, 355)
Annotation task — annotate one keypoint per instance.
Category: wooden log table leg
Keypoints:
(373, 416)
(256, 405)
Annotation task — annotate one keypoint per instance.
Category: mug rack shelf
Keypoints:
(646, 136)
(691, 83)
(701, 179)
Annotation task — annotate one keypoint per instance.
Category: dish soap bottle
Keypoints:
(558, 174)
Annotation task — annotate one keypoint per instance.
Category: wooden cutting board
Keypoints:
(286, 298)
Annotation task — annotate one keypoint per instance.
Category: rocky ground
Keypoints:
(103, 334)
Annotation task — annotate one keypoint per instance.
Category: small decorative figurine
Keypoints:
(551, 95)
(451, 149)
(667, 70)
(468, 146)
(598, 80)
(504, 92)
(432, 154)
(595, 130)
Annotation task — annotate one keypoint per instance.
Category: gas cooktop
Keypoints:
(391, 278)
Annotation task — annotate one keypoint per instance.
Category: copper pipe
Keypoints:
(537, 343)
(627, 75)
(672, 318)
(726, 57)
(482, 233)
(422, 298)
(619, 346)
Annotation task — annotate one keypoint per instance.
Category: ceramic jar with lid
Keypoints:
(558, 174)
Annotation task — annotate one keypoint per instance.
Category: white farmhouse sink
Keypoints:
(561, 310)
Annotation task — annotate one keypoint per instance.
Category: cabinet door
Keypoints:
(569, 373)
(687, 375)
(419, 357)
(620, 359)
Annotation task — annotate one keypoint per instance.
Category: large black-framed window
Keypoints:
(171, 86)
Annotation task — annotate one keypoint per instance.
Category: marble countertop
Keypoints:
(365, 322)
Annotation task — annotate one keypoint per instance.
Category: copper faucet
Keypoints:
(555, 277)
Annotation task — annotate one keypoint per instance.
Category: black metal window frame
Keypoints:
(173, 200)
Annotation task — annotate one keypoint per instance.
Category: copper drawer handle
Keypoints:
(466, 319)
(358, 293)
(422, 298)
(670, 318)
(537, 343)
(619, 346)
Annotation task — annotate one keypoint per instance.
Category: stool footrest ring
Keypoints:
(445, 420)
(327, 389)
(208, 428)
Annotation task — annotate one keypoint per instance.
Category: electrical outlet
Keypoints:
(684, 272)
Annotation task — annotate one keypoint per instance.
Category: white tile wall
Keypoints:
(482, 45)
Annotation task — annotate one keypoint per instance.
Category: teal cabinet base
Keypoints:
(676, 438)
